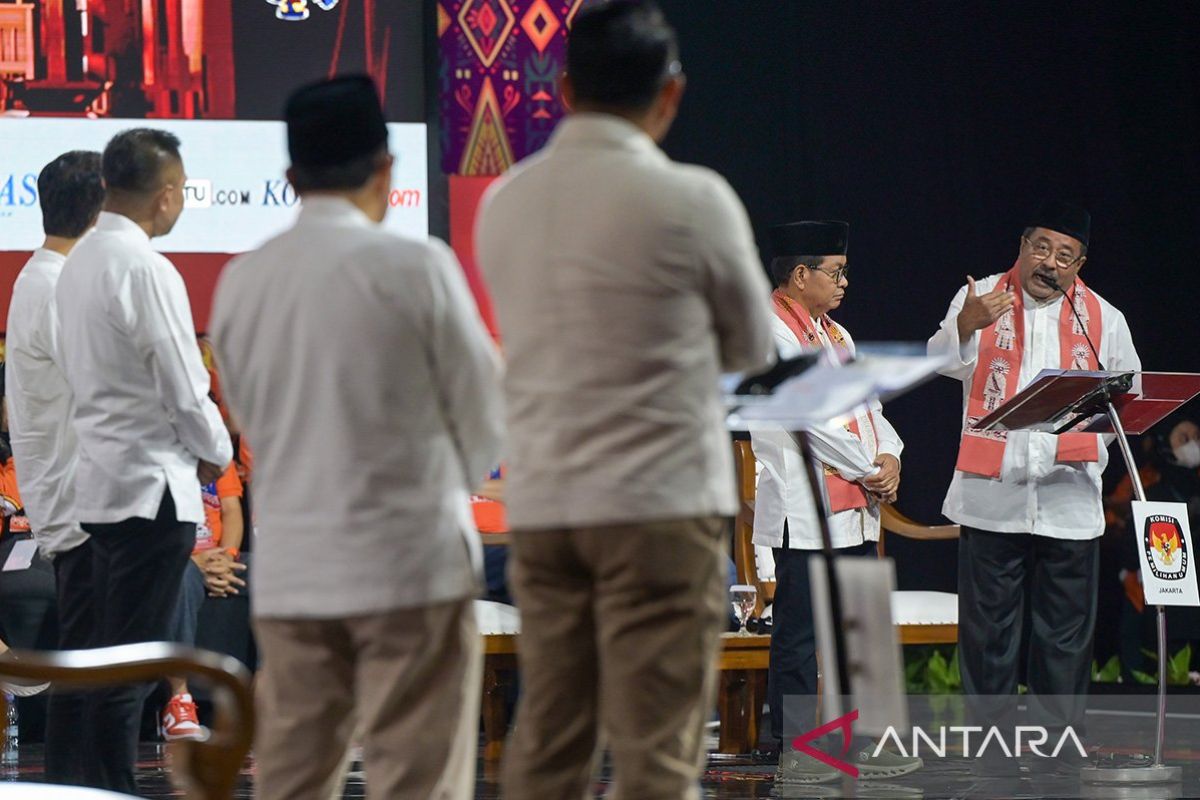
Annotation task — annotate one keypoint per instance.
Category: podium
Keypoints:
(1118, 403)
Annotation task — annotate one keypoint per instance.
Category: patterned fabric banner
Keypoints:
(500, 62)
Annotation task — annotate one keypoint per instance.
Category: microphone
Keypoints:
(765, 383)
(1053, 284)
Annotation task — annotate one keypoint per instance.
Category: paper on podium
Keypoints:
(827, 391)
(1058, 398)
(872, 649)
(1054, 398)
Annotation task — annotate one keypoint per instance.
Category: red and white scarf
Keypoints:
(998, 371)
(843, 494)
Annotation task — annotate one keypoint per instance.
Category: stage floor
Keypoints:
(724, 779)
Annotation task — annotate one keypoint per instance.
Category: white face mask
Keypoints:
(1188, 455)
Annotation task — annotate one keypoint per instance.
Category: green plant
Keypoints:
(944, 677)
(927, 670)
(914, 671)
(1109, 673)
(1178, 666)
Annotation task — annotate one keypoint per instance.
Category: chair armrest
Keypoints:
(895, 522)
(204, 770)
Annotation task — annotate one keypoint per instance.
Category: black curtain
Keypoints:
(934, 128)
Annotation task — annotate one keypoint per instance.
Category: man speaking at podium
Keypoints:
(1029, 503)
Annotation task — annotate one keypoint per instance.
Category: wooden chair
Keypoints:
(921, 617)
(202, 770)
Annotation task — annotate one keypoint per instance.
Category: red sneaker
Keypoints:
(179, 720)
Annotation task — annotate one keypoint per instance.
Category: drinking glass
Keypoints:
(743, 598)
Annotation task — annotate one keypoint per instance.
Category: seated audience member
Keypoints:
(28, 606)
(490, 517)
(213, 572)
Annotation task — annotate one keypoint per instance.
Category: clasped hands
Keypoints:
(884, 484)
(220, 571)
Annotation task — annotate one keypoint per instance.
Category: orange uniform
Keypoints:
(208, 534)
(17, 523)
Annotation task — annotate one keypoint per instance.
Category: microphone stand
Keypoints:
(1158, 772)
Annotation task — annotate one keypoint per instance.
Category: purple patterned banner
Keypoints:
(500, 62)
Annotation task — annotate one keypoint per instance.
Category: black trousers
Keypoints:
(137, 568)
(792, 672)
(995, 572)
(27, 600)
(66, 729)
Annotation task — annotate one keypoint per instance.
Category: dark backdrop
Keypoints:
(934, 128)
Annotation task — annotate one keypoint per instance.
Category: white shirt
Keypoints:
(44, 447)
(783, 491)
(142, 412)
(363, 377)
(623, 284)
(1034, 493)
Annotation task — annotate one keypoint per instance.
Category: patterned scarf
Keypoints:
(843, 494)
(998, 370)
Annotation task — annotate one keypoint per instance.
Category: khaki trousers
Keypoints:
(408, 681)
(619, 634)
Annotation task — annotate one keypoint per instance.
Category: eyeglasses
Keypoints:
(837, 274)
(1041, 251)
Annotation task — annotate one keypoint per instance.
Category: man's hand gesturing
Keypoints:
(981, 310)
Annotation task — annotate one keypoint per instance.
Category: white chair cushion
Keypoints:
(924, 608)
(916, 608)
(495, 618)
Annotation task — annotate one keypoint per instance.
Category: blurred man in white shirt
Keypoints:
(148, 433)
(624, 283)
(357, 363)
(45, 451)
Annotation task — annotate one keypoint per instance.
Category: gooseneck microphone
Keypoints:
(1053, 284)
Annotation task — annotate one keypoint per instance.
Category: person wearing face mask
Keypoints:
(1171, 474)
(1187, 451)
(1029, 503)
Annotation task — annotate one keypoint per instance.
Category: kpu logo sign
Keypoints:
(1165, 547)
(1165, 553)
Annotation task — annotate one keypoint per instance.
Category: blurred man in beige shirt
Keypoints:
(357, 363)
(624, 284)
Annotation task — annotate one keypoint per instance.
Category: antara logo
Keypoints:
(297, 10)
(1029, 737)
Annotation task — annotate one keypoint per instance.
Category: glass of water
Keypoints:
(743, 597)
